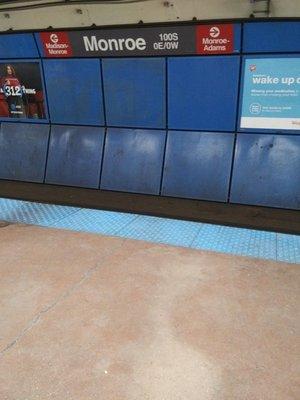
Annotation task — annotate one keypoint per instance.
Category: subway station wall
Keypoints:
(188, 122)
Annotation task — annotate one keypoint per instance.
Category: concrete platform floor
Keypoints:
(85, 316)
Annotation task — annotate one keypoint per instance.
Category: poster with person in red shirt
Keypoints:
(21, 91)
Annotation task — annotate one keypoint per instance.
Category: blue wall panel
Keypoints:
(197, 165)
(267, 171)
(268, 37)
(21, 45)
(75, 155)
(133, 160)
(74, 89)
(203, 92)
(135, 92)
(23, 151)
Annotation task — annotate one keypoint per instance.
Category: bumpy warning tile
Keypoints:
(161, 230)
(239, 241)
(33, 213)
(95, 221)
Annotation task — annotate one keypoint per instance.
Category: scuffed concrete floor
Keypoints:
(85, 316)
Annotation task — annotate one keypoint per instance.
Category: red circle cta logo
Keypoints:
(54, 38)
(214, 32)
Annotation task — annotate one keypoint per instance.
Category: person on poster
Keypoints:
(14, 93)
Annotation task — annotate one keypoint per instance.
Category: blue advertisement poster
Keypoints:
(271, 94)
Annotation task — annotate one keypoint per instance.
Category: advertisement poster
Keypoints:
(271, 94)
(21, 90)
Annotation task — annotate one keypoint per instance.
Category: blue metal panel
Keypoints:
(268, 37)
(134, 91)
(75, 155)
(74, 89)
(197, 165)
(237, 38)
(133, 160)
(21, 45)
(203, 92)
(267, 171)
(23, 150)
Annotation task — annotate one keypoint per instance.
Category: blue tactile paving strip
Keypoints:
(237, 241)
(161, 230)
(33, 213)
(288, 248)
(105, 222)
(245, 242)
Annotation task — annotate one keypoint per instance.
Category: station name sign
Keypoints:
(139, 41)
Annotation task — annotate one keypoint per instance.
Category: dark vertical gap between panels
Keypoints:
(45, 89)
(105, 122)
(47, 152)
(102, 158)
(237, 113)
(166, 125)
(48, 112)
(102, 91)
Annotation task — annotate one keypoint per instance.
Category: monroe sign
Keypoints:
(172, 40)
